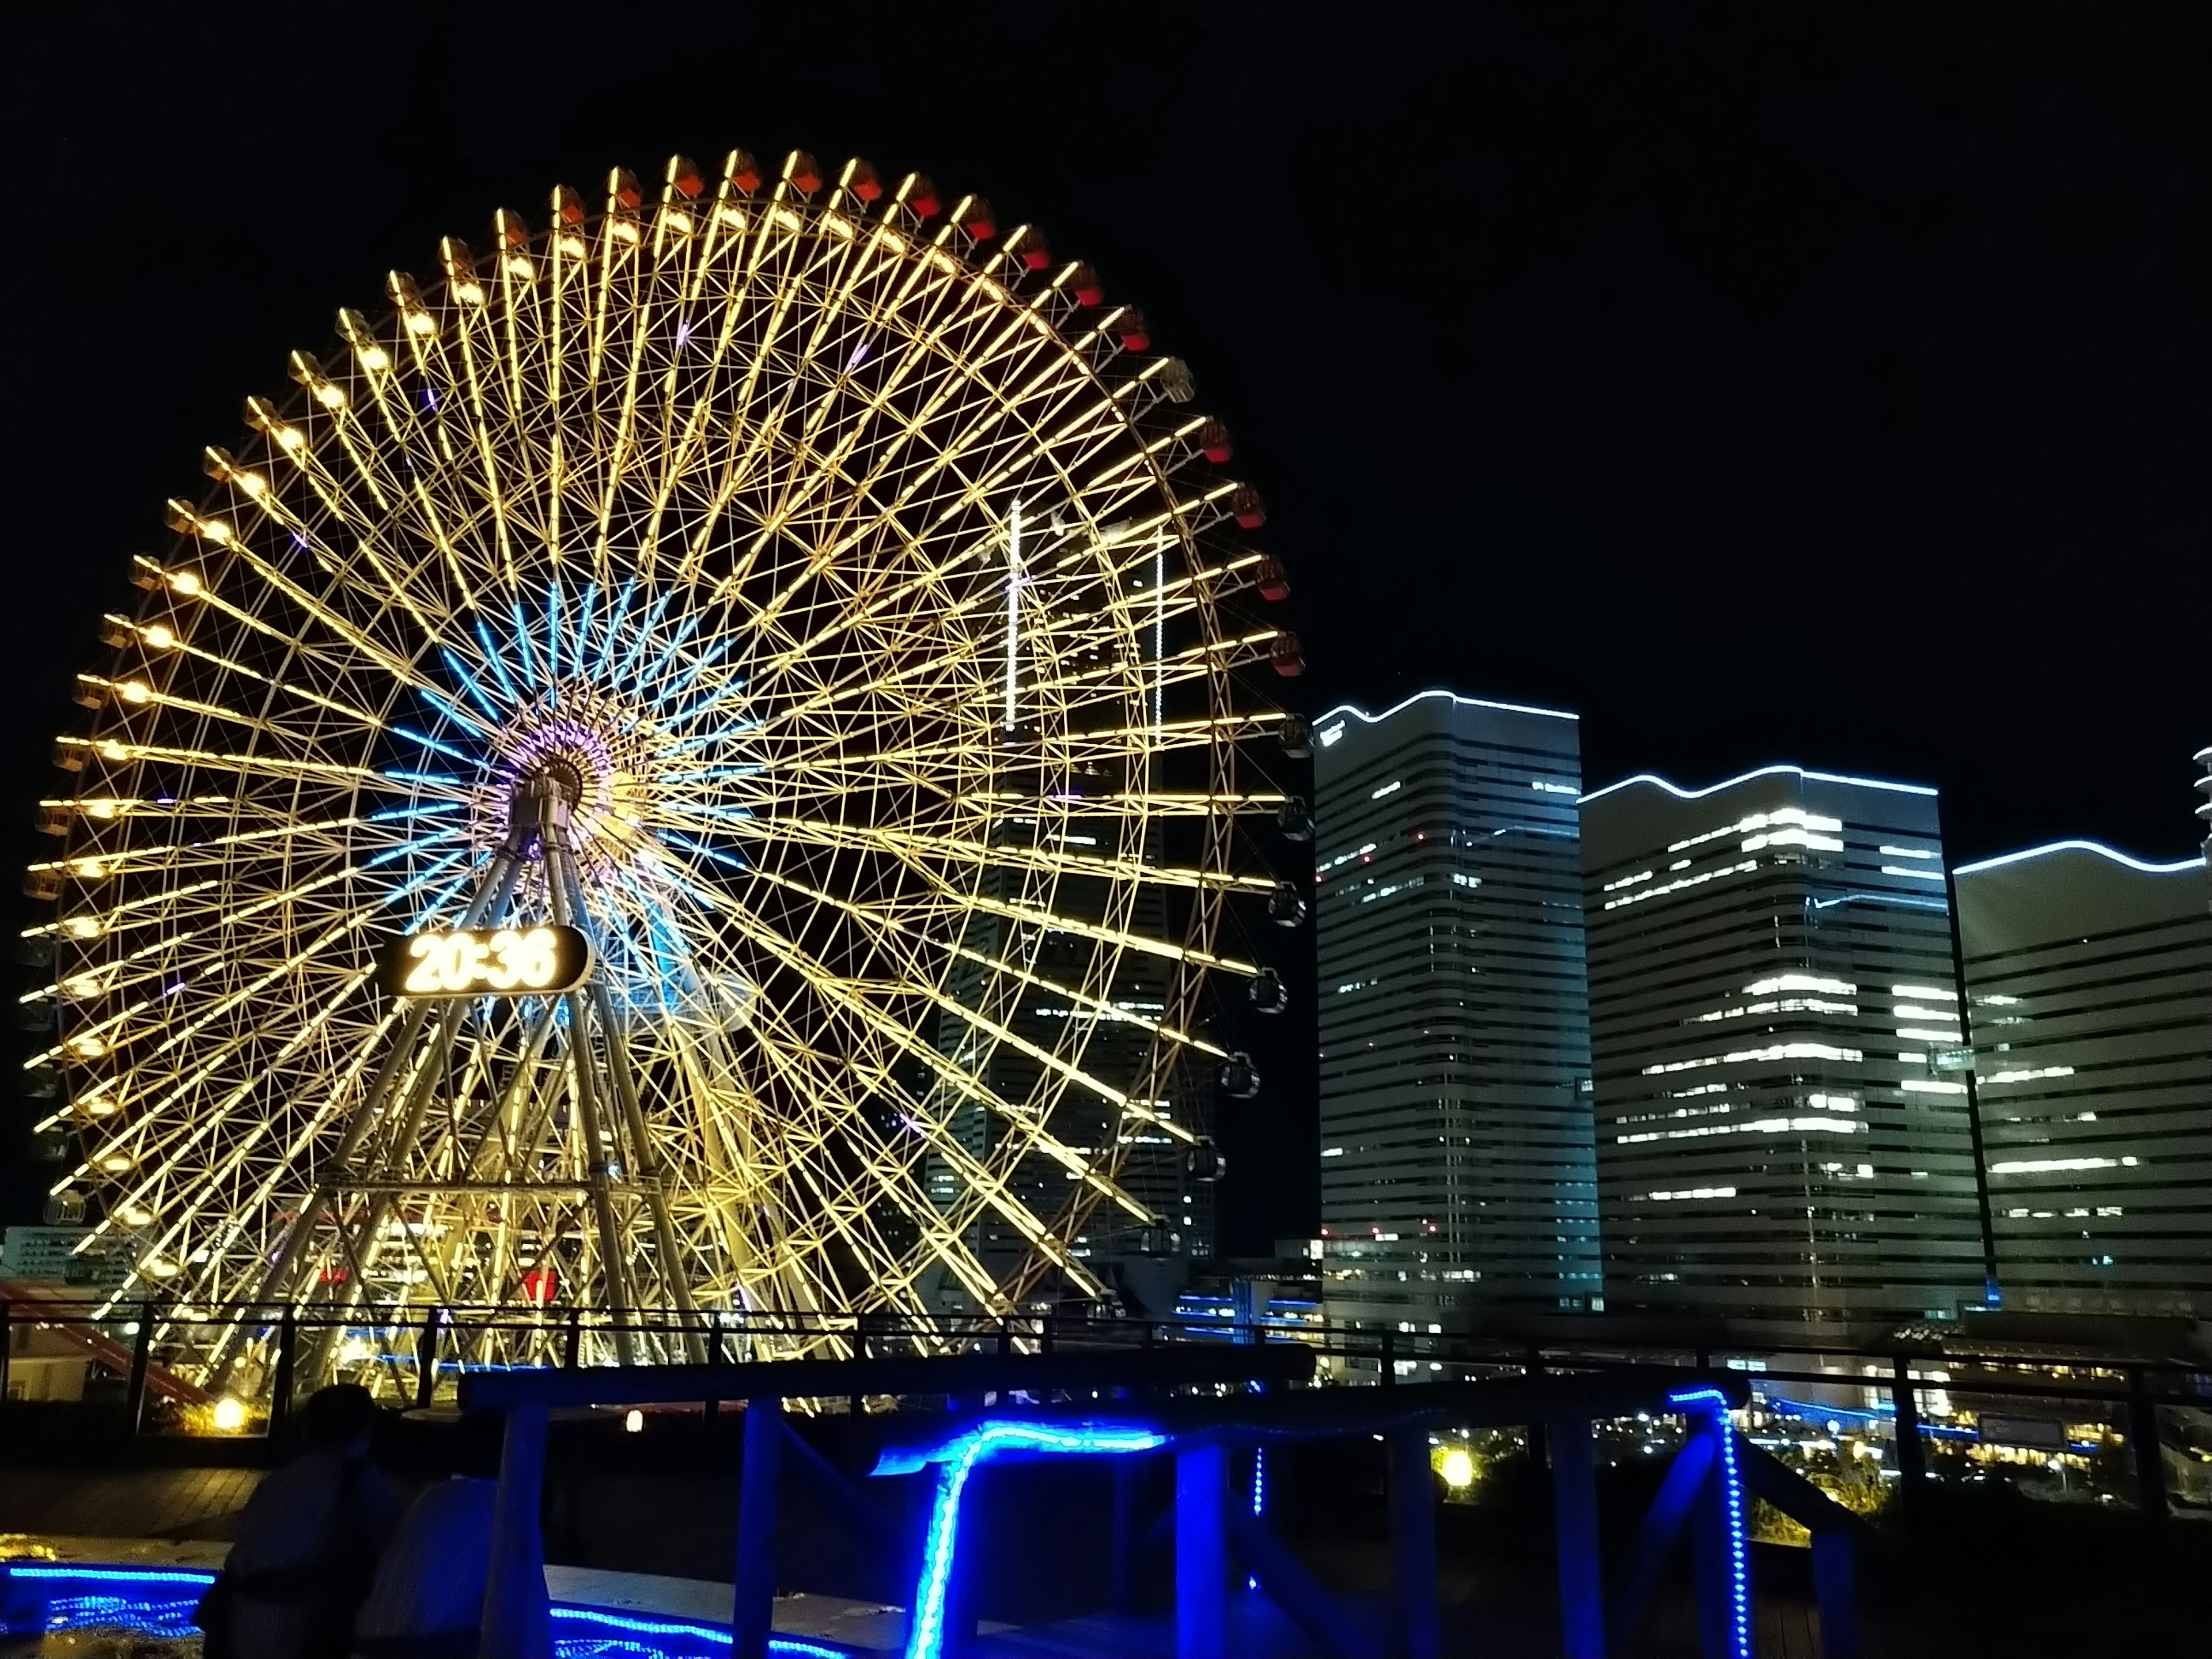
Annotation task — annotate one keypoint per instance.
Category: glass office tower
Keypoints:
(2090, 975)
(1456, 1167)
(1783, 1132)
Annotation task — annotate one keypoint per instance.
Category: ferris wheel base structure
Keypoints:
(788, 663)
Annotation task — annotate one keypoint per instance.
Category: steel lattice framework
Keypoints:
(855, 575)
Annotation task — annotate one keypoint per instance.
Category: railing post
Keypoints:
(1912, 1456)
(1413, 1542)
(1835, 1592)
(1045, 1333)
(757, 1478)
(279, 1386)
(518, 1620)
(2143, 1441)
(426, 1360)
(1574, 1511)
(1710, 1551)
(1125, 1533)
(572, 1351)
(7, 1344)
(1390, 1358)
(1201, 1552)
(142, 1348)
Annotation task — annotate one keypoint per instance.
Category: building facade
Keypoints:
(1456, 1160)
(1783, 1132)
(2089, 975)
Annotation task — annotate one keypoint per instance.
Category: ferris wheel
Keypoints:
(777, 659)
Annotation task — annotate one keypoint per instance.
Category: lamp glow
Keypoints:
(229, 1415)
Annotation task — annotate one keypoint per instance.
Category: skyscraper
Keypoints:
(1784, 1134)
(2090, 977)
(1456, 1134)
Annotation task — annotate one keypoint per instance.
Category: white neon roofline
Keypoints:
(1681, 793)
(2096, 847)
(1472, 702)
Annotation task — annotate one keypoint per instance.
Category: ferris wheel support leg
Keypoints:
(642, 1161)
(277, 1283)
(613, 1268)
(359, 1242)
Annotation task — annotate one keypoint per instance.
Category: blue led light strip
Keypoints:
(598, 1617)
(616, 1621)
(1715, 1407)
(957, 1459)
(111, 1575)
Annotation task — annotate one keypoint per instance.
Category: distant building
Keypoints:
(1783, 1132)
(1456, 1170)
(48, 1255)
(1156, 1168)
(2090, 975)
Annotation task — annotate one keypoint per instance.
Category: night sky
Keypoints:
(1763, 386)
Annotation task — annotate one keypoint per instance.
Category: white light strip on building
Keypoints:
(2097, 847)
(1681, 793)
(1359, 714)
(1760, 988)
(2056, 1165)
(1747, 865)
(1778, 1051)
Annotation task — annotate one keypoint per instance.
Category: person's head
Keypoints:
(340, 1415)
(478, 1441)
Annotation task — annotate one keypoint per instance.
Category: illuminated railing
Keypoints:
(1921, 1408)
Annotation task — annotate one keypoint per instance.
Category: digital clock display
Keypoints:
(488, 961)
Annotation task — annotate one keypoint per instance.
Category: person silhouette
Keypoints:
(428, 1600)
(307, 1542)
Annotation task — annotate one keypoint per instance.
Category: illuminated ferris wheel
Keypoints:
(779, 656)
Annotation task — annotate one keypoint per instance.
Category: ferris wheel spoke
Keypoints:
(364, 529)
(259, 1127)
(386, 660)
(818, 1077)
(965, 1082)
(931, 849)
